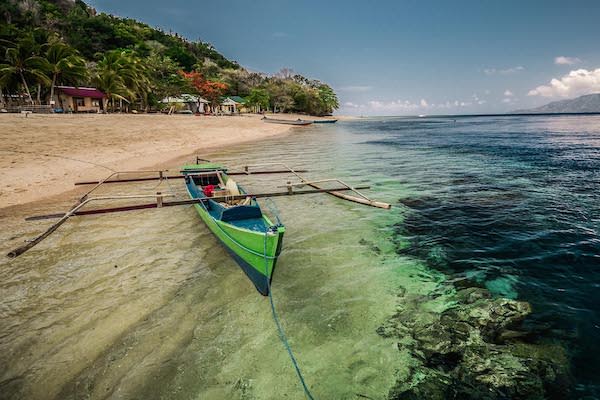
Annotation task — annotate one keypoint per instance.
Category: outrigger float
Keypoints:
(233, 215)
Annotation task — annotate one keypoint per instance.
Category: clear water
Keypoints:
(148, 305)
(512, 203)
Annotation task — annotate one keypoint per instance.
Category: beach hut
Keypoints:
(189, 102)
(80, 99)
(232, 104)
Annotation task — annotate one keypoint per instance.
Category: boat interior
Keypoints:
(241, 213)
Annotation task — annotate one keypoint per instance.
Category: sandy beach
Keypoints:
(43, 155)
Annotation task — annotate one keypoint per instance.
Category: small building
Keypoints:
(232, 104)
(188, 102)
(80, 99)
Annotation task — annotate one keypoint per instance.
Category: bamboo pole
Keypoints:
(183, 202)
(153, 178)
(22, 249)
(361, 200)
(159, 203)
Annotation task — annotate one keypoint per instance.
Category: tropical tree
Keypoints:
(22, 64)
(328, 98)
(64, 65)
(258, 98)
(111, 84)
(281, 94)
(210, 90)
(164, 77)
(122, 74)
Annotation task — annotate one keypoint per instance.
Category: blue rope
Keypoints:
(273, 208)
(280, 331)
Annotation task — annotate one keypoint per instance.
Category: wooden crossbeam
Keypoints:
(155, 178)
(187, 202)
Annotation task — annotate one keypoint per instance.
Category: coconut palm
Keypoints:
(63, 64)
(123, 74)
(111, 84)
(22, 64)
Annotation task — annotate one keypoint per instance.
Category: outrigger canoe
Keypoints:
(325, 121)
(233, 215)
(300, 122)
(248, 235)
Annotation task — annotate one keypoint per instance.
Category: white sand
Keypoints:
(43, 155)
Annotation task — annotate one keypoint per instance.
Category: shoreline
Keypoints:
(43, 155)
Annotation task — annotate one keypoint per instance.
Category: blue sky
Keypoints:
(402, 57)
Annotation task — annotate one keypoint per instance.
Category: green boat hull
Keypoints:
(254, 251)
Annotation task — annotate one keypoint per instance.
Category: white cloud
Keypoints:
(477, 100)
(407, 107)
(392, 106)
(507, 71)
(562, 60)
(355, 88)
(508, 93)
(575, 83)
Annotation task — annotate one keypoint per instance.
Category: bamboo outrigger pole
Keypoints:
(162, 176)
(73, 211)
(159, 203)
(361, 198)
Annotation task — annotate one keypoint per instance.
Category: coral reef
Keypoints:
(473, 350)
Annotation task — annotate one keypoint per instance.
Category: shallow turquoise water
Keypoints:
(142, 304)
(147, 304)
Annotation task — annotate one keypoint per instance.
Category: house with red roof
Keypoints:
(80, 99)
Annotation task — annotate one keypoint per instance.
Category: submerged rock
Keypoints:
(473, 350)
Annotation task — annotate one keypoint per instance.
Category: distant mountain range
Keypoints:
(583, 104)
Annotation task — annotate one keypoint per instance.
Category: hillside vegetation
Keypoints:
(589, 103)
(47, 43)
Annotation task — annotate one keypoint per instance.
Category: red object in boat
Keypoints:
(208, 190)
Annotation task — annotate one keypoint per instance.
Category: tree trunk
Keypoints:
(26, 87)
(39, 94)
(52, 91)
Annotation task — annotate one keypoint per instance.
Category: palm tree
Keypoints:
(329, 100)
(64, 65)
(22, 63)
(112, 84)
(121, 73)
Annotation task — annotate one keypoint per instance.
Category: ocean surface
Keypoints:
(146, 304)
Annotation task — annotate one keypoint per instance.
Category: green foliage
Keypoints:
(121, 74)
(258, 98)
(44, 43)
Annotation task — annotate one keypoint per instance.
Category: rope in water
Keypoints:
(282, 335)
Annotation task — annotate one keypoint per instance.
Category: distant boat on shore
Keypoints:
(325, 121)
(287, 121)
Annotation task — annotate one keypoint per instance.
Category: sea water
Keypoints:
(146, 304)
